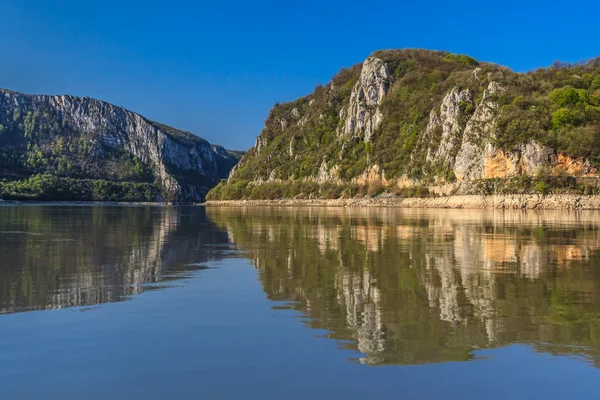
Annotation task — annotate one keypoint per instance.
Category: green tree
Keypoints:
(563, 97)
(564, 117)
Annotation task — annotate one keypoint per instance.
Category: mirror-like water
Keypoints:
(297, 302)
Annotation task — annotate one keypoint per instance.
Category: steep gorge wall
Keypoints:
(90, 135)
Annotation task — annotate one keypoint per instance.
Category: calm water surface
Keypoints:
(273, 303)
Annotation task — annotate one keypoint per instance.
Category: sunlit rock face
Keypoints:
(363, 116)
(449, 120)
(413, 286)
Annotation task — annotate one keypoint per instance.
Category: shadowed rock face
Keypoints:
(91, 137)
(410, 287)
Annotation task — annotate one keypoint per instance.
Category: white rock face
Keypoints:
(534, 155)
(469, 163)
(449, 121)
(291, 146)
(168, 151)
(362, 116)
(328, 174)
(478, 158)
(261, 143)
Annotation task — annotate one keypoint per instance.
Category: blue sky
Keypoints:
(216, 68)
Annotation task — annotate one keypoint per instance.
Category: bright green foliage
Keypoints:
(563, 97)
(569, 97)
(564, 117)
(462, 59)
(545, 106)
(542, 188)
(49, 187)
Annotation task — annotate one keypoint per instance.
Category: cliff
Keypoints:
(72, 148)
(419, 122)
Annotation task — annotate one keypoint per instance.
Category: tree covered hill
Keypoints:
(418, 122)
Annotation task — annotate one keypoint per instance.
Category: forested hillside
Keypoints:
(419, 123)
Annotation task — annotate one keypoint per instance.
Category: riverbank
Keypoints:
(517, 201)
(82, 203)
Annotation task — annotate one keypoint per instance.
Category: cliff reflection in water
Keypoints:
(54, 257)
(406, 286)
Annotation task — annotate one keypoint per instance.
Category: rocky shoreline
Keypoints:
(516, 201)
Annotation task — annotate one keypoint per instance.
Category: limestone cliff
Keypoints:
(83, 138)
(362, 116)
(428, 119)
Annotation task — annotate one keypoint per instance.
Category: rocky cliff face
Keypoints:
(362, 116)
(415, 117)
(87, 138)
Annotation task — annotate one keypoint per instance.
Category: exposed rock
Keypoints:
(304, 119)
(404, 182)
(283, 122)
(573, 166)
(291, 148)
(450, 121)
(476, 145)
(328, 174)
(362, 116)
(533, 157)
(261, 143)
(373, 173)
(502, 202)
(499, 164)
(272, 176)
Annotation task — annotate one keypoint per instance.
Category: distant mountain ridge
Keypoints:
(420, 122)
(74, 148)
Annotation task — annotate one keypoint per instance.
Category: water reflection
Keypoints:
(407, 287)
(54, 257)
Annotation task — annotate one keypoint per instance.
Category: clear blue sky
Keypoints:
(216, 68)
